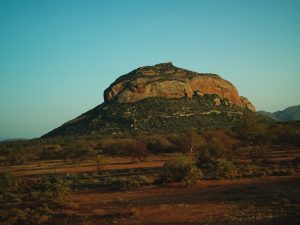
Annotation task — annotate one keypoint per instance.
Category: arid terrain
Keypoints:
(264, 199)
(168, 146)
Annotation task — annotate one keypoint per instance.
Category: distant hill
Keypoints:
(161, 98)
(289, 114)
(2, 138)
(12, 139)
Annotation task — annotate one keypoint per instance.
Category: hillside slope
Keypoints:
(289, 114)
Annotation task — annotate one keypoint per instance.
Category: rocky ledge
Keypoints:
(167, 81)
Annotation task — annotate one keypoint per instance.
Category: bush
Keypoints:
(180, 169)
(160, 144)
(257, 154)
(127, 147)
(51, 190)
(16, 157)
(137, 150)
(209, 154)
(41, 196)
(51, 152)
(221, 139)
(28, 216)
(287, 134)
(251, 171)
(8, 187)
(222, 169)
(124, 184)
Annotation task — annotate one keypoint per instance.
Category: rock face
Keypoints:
(247, 104)
(167, 81)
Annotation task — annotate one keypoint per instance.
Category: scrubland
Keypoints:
(247, 174)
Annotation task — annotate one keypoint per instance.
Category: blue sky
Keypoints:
(57, 57)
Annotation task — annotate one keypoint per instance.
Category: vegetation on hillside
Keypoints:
(155, 115)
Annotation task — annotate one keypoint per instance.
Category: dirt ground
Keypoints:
(266, 200)
(207, 202)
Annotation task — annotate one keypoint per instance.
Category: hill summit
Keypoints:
(167, 81)
(161, 98)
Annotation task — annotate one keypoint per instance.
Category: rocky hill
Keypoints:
(161, 98)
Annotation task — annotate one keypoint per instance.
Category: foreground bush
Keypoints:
(27, 216)
(49, 190)
(127, 183)
(216, 163)
(124, 184)
(180, 169)
(8, 187)
(222, 169)
(246, 170)
(127, 148)
(16, 157)
(41, 197)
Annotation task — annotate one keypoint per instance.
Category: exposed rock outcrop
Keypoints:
(167, 81)
(247, 104)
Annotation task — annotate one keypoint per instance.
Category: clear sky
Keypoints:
(57, 57)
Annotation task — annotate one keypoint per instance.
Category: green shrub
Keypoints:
(28, 216)
(8, 187)
(16, 157)
(51, 152)
(209, 154)
(160, 144)
(180, 169)
(258, 153)
(205, 158)
(127, 147)
(41, 196)
(283, 172)
(246, 170)
(124, 184)
(222, 169)
(127, 183)
(287, 134)
(49, 190)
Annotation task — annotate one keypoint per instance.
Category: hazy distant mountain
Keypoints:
(289, 114)
(2, 139)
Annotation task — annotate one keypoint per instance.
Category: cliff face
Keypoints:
(167, 81)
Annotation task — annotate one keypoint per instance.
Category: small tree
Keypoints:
(192, 141)
(138, 150)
